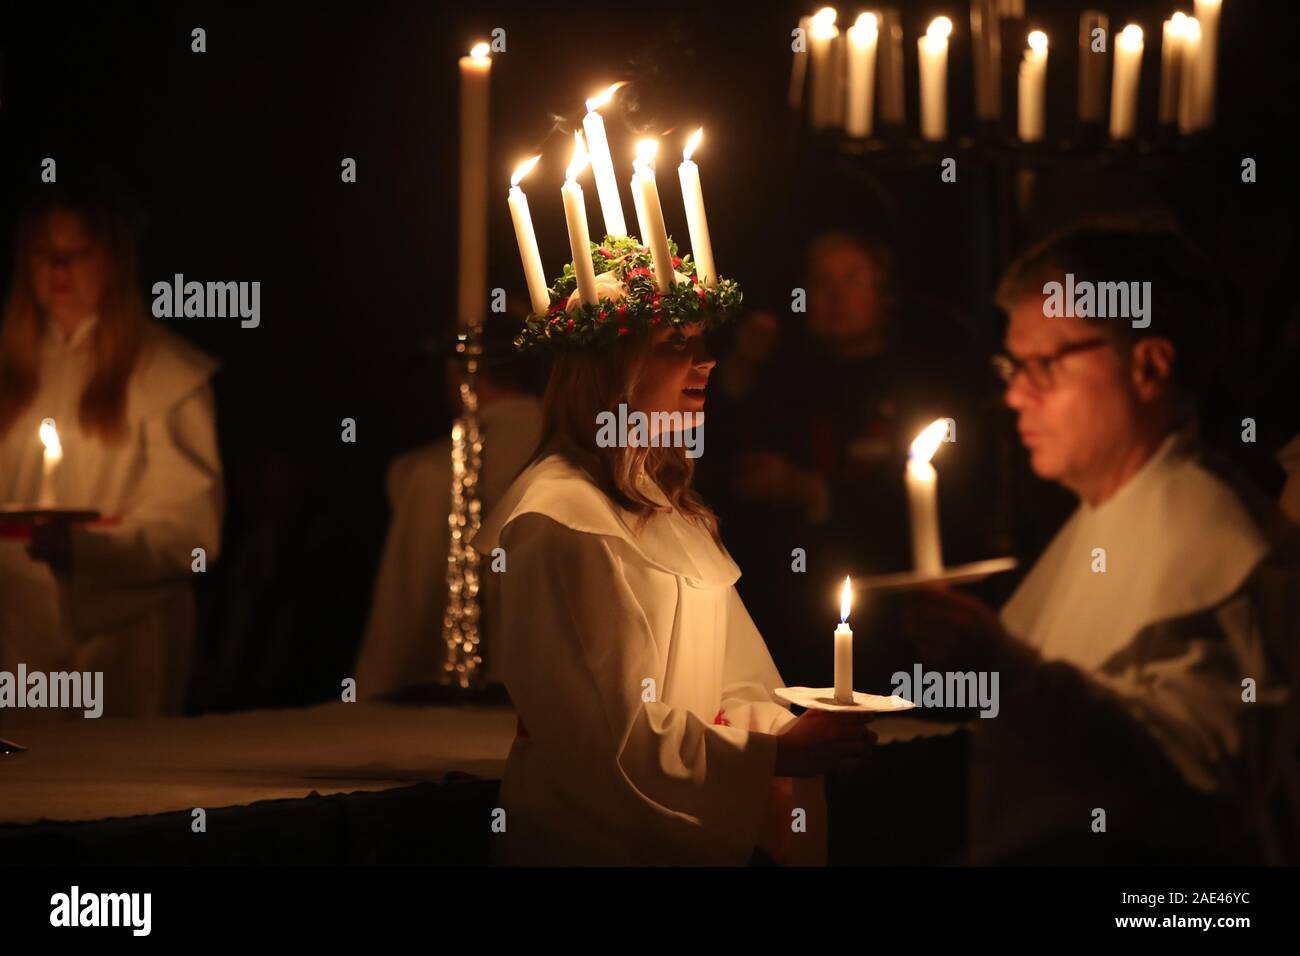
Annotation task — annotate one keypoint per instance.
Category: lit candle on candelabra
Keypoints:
(49, 436)
(1171, 63)
(575, 217)
(863, 36)
(1124, 83)
(534, 275)
(602, 164)
(475, 71)
(1206, 64)
(821, 40)
(1188, 105)
(1032, 89)
(654, 233)
(922, 498)
(696, 222)
(844, 648)
(933, 49)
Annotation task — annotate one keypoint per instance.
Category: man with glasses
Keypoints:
(1147, 660)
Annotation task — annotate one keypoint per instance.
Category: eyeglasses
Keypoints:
(1040, 368)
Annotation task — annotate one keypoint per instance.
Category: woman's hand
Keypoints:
(52, 543)
(820, 742)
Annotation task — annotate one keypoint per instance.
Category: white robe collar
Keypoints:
(561, 491)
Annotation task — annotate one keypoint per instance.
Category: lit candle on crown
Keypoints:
(653, 231)
(696, 222)
(575, 217)
(534, 275)
(602, 164)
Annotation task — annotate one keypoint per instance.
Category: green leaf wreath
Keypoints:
(642, 309)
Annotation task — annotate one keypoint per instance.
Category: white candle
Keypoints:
(639, 205)
(1171, 66)
(1124, 82)
(1207, 16)
(821, 51)
(49, 436)
(933, 49)
(602, 164)
(863, 37)
(575, 217)
(844, 649)
(799, 67)
(534, 274)
(1188, 116)
(696, 221)
(475, 70)
(1032, 90)
(652, 225)
(922, 498)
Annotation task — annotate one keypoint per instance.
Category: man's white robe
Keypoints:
(1143, 662)
(620, 645)
(127, 609)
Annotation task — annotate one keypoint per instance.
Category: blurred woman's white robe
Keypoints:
(620, 648)
(127, 609)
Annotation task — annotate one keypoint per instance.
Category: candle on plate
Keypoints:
(1207, 17)
(821, 51)
(475, 71)
(1032, 90)
(602, 164)
(49, 436)
(655, 233)
(1124, 82)
(696, 222)
(575, 217)
(863, 37)
(1171, 63)
(534, 274)
(933, 49)
(923, 500)
(1188, 116)
(844, 648)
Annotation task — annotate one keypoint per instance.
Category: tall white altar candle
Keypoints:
(602, 164)
(534, 274)
(923, 500)
(49, 436)
(1207, 16)
(1031, 116)
(863, 37)
(1188, 105)
(656, 233)
(696, 221)
(933, 49)
(1124, 82)
(575, 217)
(1172, 33)
(475, 71)
(822, 55)
(844, 648)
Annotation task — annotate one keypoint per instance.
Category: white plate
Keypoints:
(962, 574)
(823, 698)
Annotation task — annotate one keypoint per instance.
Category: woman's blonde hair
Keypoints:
(583, 384)
(116, 338)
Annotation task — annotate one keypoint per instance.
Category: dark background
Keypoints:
(234, 157)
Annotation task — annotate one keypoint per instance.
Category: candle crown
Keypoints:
(628, 300)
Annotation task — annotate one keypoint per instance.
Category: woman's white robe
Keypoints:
(620, 646)
(127, 608)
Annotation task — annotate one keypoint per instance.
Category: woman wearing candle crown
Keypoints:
(134, 412)
(648, 733)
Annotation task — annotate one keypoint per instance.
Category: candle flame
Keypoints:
(596, 102)
(1191, 29)
(479, 51)
(1130, 38)
(645, 151)
(580, 158)
(846, 601)
(1038, 41)
(50, 437)
(940, 28)
(864, 29)
(1177, 23)
(522, 170)
(823, 23)
(927, 443)
(692, 143)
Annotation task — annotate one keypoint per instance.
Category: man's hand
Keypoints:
(952, 631)
(52, 543)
